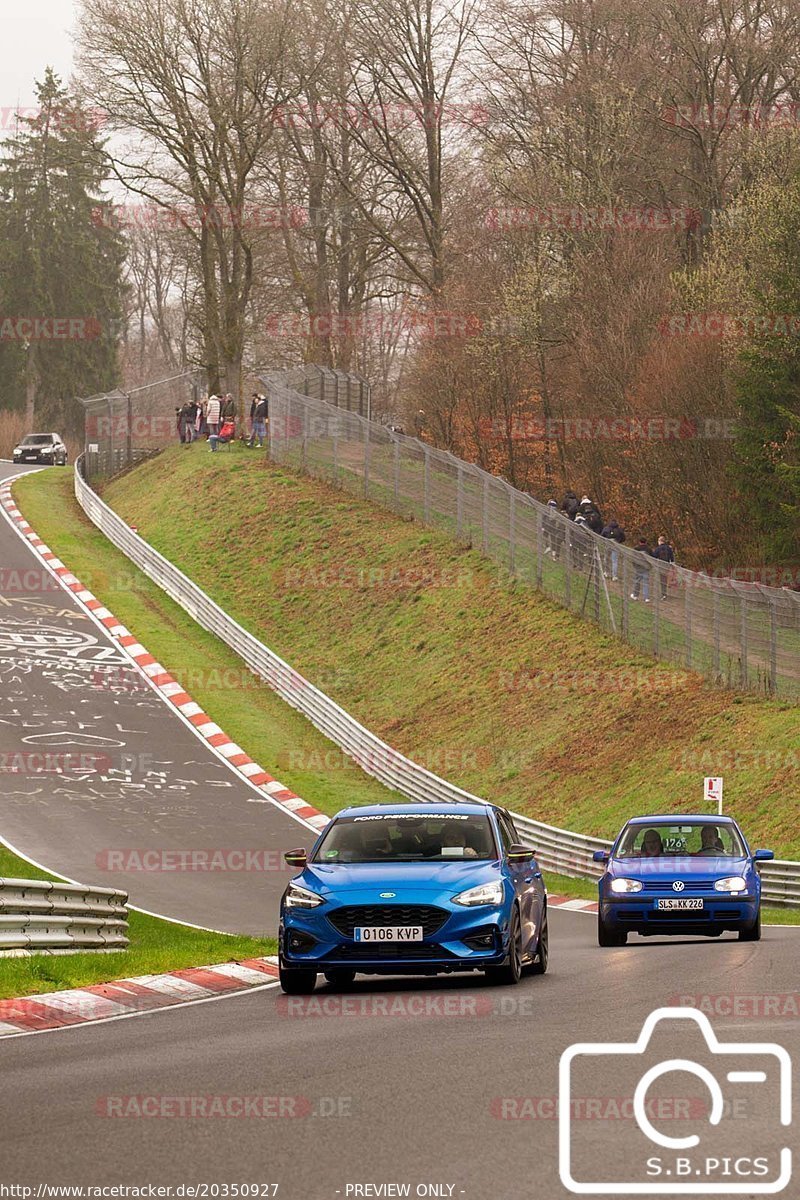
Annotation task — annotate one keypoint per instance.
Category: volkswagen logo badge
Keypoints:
(391, 895)
(678, 885)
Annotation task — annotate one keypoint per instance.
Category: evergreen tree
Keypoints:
(61, 264)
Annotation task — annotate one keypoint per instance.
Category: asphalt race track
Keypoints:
(411, 1098)
(444, 1084)
(136, 777)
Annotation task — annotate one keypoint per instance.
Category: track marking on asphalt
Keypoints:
(118, 633)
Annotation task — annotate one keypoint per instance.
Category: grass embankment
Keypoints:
(156, 946)
(481, 679)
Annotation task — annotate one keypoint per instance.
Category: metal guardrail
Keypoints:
(557, 849)
(42, 917)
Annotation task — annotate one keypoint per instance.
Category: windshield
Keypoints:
(37, 439)
(659, 839)
(401, 837)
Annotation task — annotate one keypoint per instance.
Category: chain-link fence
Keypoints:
(742, 635)
(335, 387)
(123, 427)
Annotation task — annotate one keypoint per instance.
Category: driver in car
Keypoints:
(652, 845)
(710, 841)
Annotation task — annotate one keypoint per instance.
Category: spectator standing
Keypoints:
(615, 533)
(259, 422)
(212, 416)
(592, 515)
(570, 505)
(641, 572)
(665, 554)
(228, 409)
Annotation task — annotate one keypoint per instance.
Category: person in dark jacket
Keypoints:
(592, 514)
(259, 422)
(228, 409)
(614, 532)
(570, 505)
(665, 554)
(641, 569)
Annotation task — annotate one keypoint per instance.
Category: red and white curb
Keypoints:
(572, 904)
(167, 687)
(128, 997)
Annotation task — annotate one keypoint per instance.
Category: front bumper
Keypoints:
(469, 939)
(640, 914)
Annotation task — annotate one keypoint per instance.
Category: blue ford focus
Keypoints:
(413, 889)
(679, 875)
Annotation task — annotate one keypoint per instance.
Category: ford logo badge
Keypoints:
(388, 895)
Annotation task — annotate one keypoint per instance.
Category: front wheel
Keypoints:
(511, 970)
(609, 937)
(539, 964)
(752, 933)
(297, 981)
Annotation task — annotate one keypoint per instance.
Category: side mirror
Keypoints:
(296, 858)
(601, 856)
(763, 855)
(519, 854)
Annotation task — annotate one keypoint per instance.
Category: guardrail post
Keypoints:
(716, 619)
(540, 547)
(657, 611)
(485, 514)
(396, 475)
(460, 502)
(773, 646)
(512, 533)
(427, 491)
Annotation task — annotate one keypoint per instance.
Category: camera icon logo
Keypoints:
(708, 1151)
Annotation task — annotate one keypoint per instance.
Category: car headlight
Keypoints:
(732, 883)
(300, 897)
(484, 893)
(626, 885)
(17, 452)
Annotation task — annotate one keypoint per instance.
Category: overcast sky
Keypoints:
(35, 35)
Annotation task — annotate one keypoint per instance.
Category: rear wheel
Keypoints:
(752, 933)
(340, 977)
(511, 970)
(539, 965)
(609, 937)
(297, 982)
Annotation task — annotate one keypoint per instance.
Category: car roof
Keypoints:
(677, 818)
(372, 810)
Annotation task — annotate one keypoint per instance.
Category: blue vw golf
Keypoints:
(413, 889)
(679, 875)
